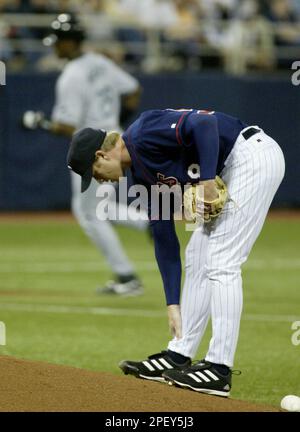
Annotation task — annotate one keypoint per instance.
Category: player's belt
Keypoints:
(250, 132)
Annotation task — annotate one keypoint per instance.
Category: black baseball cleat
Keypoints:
(132, 288)
(201, 377)
(153, 367)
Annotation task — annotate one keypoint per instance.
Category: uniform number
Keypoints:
(105, 99)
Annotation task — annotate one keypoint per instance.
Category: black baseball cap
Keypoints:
(81, 154)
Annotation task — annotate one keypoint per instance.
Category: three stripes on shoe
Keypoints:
(151, 363)
(197, 375)
(206, 375)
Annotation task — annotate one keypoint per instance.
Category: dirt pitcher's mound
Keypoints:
(37, 386)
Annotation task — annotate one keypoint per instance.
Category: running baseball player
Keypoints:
(227, 157)
(92, 90)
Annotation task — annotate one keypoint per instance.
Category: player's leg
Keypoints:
(195, 311)
(122, 214)
(195, 307)
(253, 179)
(101, 233)
(255, 173)
(128, 216)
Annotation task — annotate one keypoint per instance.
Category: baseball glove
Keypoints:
(199, 210)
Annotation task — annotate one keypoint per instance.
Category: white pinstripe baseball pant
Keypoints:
(214, 255)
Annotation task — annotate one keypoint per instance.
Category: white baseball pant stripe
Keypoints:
(102, 233)
(215, 253)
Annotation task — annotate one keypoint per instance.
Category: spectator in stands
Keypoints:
(252, 38)
(218, 16)
(283, 15)
(5, 46)
(107, 7)
(39, 7)
(175, 23)
(296, 4)
(183, 33)
(247, 43)
(9, 51)
(63, 6)
(219, 9)
(149, 19)
(11, 6)
(142, 14)
(100, 30)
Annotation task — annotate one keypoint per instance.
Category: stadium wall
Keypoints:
(33, 172)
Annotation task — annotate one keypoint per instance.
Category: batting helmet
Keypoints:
(65, 27)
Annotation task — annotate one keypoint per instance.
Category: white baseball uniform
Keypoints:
(214, 256)
(88, 94)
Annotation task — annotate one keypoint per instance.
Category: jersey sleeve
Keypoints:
(167, 250)
(201, 131)
(69, 100)
(167, 253)
(123, 81)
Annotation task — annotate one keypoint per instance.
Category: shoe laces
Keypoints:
(204, 363)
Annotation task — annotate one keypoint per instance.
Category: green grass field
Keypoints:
(49, 272)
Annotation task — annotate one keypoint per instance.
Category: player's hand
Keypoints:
(210, 190)
(210, 194)
(32, 119)
(175, 324)
(205, 201)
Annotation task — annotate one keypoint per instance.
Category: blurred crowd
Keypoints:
(236, 35)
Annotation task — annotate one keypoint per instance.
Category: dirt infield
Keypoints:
(37, 386)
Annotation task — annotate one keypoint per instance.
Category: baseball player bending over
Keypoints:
(92, 89)
(194, 146)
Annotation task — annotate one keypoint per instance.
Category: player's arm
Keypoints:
(129, 90)
(129, 105)
(201, 131)
(36, 120)
(167, 252)
(67, 111)
(66, 130)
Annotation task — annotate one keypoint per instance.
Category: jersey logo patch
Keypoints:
(170, 181)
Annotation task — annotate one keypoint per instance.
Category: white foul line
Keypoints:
(141, 313)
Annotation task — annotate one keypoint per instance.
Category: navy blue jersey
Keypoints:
(177, 147)
(180, 146)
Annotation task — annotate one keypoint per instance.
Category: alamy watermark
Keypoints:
(296, 74)
(2, 73)
(165, 201)
(296, 334)
(2, 333)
